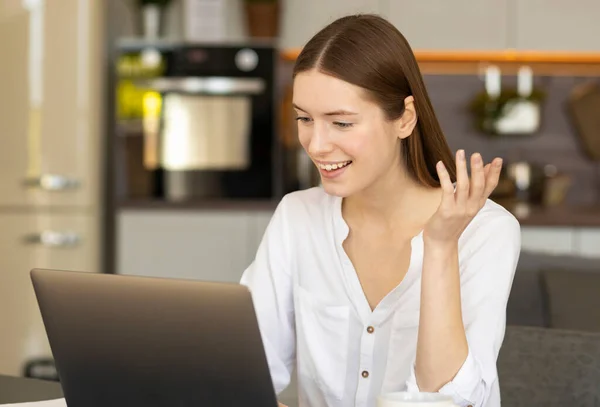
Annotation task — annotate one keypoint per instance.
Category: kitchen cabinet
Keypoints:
(36, 240)
(205, 245)
(208, 245)
(50, 102)
(300, 20)
(588, 242)
(452, 25)
(559, 241)
(570, 241)
(557, 25)
(50, 97)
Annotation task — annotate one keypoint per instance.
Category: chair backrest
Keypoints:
(549, 367)
(573, 299)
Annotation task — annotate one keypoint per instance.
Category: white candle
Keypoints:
(525, 81)
(492, 81)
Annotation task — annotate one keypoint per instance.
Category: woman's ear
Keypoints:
(407, 122)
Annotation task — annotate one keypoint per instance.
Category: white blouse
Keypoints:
(313, 313)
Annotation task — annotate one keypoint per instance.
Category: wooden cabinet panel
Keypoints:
(557, 25)
(29, 240)
(300, 20)
(50, 105)
(450, 25)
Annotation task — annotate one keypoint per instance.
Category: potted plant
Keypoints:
(262, 17)
(510, 110)
(152, 17)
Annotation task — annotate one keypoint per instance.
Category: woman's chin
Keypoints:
(336, 189)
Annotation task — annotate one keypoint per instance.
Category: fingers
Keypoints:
(486, 169)
(477, 178)
(446, 184)
(492, 177)
(462, 178)
(471, 193)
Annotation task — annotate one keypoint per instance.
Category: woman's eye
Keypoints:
(303, 119)
(343, 125)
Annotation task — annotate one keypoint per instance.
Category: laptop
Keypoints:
(132, 341)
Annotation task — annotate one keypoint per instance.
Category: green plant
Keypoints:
(487, 110)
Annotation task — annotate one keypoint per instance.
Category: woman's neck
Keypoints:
(394, 201)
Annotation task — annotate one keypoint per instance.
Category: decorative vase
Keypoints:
(151, 21)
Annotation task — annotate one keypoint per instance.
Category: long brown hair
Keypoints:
(368, 51)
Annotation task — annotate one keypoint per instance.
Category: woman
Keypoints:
(389, 276)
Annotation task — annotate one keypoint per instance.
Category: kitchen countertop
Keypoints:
(560, 216)
(19, 390)
(209, 204)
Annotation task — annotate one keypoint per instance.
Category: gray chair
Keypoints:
(573, 299)
(545, 288)
(549, 367)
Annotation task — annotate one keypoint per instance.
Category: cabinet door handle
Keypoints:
(52, 182)
(52, 238)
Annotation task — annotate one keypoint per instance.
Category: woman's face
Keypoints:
(346, 135)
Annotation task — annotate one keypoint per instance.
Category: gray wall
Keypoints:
(556, 143)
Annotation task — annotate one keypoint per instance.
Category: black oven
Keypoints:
(196, 121)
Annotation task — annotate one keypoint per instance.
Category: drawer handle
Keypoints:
(53, 239)
(53, 182)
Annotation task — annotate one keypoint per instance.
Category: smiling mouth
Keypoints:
(333, 167)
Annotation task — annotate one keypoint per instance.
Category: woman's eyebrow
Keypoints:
(340, 112)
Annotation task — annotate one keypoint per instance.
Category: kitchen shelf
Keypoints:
(509, 61)
(583, 216)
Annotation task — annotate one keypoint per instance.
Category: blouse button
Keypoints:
(370, 329)
(365, 374)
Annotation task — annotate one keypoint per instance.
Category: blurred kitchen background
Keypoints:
(155, 137)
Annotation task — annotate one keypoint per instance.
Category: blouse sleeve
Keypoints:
(487, 270)
(269, 279)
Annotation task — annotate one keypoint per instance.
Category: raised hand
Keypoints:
(458, 208)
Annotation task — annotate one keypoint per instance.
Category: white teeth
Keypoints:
(331, 167)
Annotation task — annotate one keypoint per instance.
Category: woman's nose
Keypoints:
(320, 142)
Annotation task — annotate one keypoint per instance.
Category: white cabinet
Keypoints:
(50, 104)
(30, 240)
(208, 245)
(557, 25)
(50, 116)
(560, 241)
(452, 25)
(301, 20)
(568, 241)
(588, 242)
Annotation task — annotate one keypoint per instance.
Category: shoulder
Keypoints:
(489, 254)
(493, 226)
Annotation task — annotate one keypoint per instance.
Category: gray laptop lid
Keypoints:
(138, 341)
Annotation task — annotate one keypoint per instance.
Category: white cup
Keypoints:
(406, 399)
